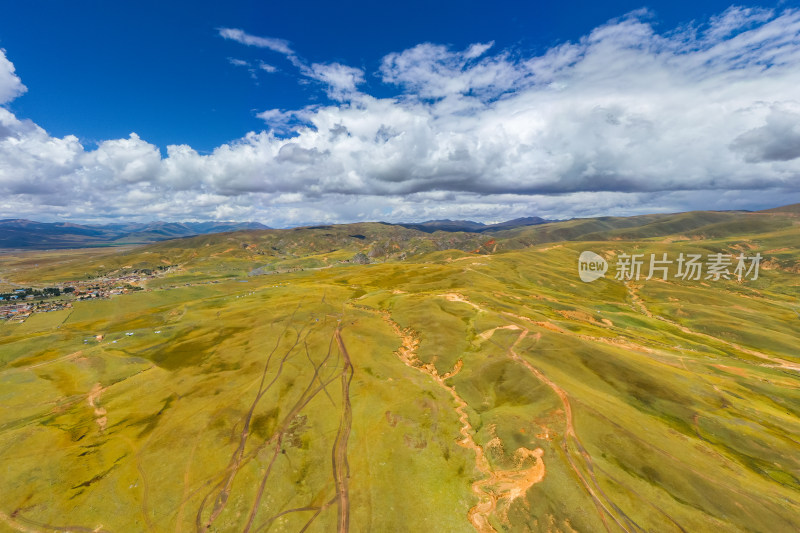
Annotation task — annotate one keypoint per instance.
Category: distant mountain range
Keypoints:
(27, 234)
(472, 227)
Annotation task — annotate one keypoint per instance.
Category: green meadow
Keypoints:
(434, 389)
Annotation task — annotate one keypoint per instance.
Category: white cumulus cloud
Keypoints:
(625, 120)
(341, 80)
(10, 84)
(276, 45)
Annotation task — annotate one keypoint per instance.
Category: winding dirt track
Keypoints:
(341, 468)
(496, 485)
(239, 458)
(601, 501)
(99, 412)
(640, 305)
(496, 490)
(25, 525)
(223, 488)
(606, 507)
(51, 361)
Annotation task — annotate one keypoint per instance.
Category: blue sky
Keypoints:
(298, 112)
(101, 69)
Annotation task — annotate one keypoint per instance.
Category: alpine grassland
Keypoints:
(370, 377)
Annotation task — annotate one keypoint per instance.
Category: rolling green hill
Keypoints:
(26, 234)
(794, 208)
(455, 382)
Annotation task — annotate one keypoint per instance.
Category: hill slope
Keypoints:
(26, 234)
(440, 390)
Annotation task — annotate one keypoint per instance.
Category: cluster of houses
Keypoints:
(19, 304)
(18, 294)
(18, 312)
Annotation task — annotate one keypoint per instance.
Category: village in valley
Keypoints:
(18, 304)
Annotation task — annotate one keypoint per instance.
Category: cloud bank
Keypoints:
(626, 120)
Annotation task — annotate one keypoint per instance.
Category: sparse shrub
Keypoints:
(360, 259)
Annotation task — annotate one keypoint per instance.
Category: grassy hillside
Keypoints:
(238, 253)
(436, 389)
(679, 226)
(19, 234)
(794, 209)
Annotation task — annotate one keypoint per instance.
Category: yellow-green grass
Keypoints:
(683, 398)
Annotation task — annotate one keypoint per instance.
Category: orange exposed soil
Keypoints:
(223, 252)
(638, 302)
(13, 524)
(99, 412)
(497, 486)
(602, 502)
(18, 523)
(778, 362)
(456, 297)
(733, 370)
(489, 332)
(550, 248)
(585, 317)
